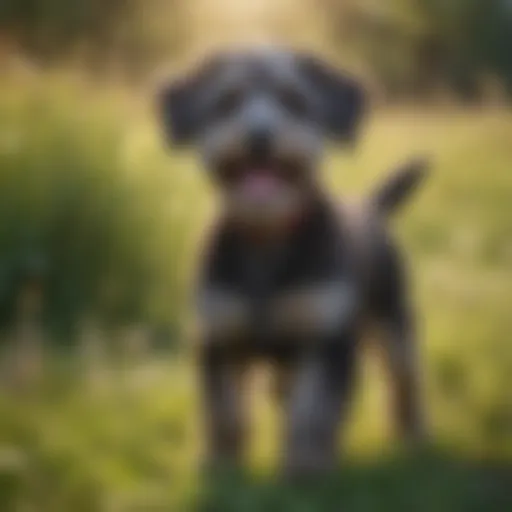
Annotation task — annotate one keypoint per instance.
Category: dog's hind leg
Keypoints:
(400, 347)
(393, 313)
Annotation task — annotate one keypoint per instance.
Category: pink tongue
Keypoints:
(259, 185)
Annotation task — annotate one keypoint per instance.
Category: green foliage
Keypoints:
(132, 33)
(410, 47)
(86, 208)
(413, 47)
(88, 440)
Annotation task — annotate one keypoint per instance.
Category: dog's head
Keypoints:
(260, 118)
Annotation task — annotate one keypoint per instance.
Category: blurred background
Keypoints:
(99, 226)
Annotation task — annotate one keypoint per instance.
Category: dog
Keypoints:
(289, 275)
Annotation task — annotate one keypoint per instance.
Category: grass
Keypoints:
(102, 433)
(426, 483)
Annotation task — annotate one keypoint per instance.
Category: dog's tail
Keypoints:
(387, 197)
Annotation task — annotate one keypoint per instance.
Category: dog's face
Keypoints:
(260, 118)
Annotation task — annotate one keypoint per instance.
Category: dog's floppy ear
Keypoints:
(179, 102)
(341, 98)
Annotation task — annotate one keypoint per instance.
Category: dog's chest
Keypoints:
(301, 288)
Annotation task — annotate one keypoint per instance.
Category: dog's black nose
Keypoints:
(259, 142)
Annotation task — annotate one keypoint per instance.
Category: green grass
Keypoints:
(427, 483)
(120, 434)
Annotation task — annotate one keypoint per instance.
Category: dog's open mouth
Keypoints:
(262, 175)
(260, 184)
(262, 194)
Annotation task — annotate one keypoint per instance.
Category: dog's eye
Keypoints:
(294, 101)
(227, 102)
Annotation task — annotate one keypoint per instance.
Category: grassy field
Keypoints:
(102, 433)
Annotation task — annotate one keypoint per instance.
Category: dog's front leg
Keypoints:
(318, 400)
(224, 316)
(223, 396)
